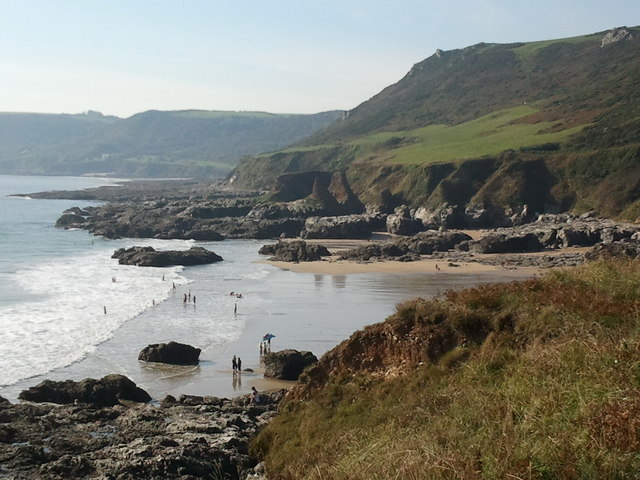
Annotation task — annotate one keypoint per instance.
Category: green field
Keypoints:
(488, 135)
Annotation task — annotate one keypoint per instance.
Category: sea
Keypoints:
(70, 311)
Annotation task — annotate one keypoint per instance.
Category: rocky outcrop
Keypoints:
(172, 352)
(348, 226)
(425, 243)
(552, 232)
(616, 35)
(621, 249)
(329, 191)
(287, 364)
(295, 251)
(407, 249)
(107, 391)
(149, 257)
(186, 438)
(400, 222)
(507, 243)
(382, 251)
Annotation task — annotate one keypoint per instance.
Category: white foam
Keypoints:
(67, 320)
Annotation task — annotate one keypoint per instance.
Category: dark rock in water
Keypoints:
(172, 352)
(287, 364)
(149, 257)
(70, 220)
(109, 390)
(3, 401)
(295, 251)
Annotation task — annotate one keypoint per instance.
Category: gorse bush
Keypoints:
(544, 382)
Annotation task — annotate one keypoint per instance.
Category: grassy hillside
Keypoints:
(560, 103)
(532, 380)
(149, 144)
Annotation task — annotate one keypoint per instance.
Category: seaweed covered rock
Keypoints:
(107, 391)
(149, 257)
(173, 353)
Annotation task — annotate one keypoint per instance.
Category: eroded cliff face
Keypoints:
(418, 334)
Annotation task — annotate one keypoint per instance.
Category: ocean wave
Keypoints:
(64, 318)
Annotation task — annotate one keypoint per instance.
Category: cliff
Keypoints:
(553, 124)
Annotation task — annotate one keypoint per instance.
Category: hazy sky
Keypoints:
(121, 57)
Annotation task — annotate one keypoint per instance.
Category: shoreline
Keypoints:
(345, 297)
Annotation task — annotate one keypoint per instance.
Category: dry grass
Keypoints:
(552, 391)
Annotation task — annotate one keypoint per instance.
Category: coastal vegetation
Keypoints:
(533, 379)
(552, 124)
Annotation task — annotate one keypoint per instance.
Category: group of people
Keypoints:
(187, 298)
(265, 347)
(236, 364)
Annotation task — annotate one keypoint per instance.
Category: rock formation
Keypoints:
(186, 438)
(347, 226)
(149, 257)
(172, 352)
(107, 391)
(295, 251)
(287, 364)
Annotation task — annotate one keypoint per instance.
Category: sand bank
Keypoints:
(430, 266)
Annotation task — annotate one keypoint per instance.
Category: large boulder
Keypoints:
(295, 251)
(400, 222)
(149, 257)
(173, 352)
(346, 226)
(445, 216)
(507, 243)
(287, 364)
(107, 391)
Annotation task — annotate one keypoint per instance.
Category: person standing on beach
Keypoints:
(234, 363)
(235, 309)
(261, 348)
(239, 364)
(105, 309)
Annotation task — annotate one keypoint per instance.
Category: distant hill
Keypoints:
(553, 124)
(150, 144)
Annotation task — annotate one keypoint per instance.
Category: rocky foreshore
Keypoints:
(188, 438)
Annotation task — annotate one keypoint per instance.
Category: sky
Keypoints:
(122, 57)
